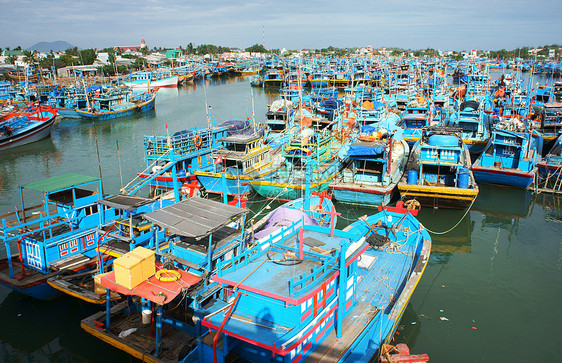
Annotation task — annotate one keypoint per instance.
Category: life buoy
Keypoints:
(169, 275)
(412, 204)
(198, 141)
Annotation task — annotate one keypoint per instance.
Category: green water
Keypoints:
(495, 278)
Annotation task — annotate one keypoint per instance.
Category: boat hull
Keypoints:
(438, 196)
(362, 194)
(37, 133)
(503, 176)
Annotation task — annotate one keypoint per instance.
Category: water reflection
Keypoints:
(503, 207)
(450, 231)
(552, 205)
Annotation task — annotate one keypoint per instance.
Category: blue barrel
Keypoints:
(463, 178)
(412, 177)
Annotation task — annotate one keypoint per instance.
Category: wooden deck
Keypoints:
(333, 348)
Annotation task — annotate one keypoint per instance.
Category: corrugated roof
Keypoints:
(60, 182)
(194, 217)
(126, 202)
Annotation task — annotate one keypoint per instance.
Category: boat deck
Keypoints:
(141, 342)
(263, 274)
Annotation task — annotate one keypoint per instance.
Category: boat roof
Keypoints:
(60, 182)
(240, 139)
(195, 217)
(125, 202)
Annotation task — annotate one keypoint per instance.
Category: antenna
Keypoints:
(263, 36)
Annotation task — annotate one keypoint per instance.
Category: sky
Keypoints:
(290, 24)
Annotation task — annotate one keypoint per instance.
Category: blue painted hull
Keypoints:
(362, 196)
(40, 291)
(512, 178)
(213, 184)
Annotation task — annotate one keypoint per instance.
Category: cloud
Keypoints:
(291, 24)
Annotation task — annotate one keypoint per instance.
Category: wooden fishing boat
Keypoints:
(475, 125)
(550, 166)
(181, 153)
(312, 160)
(111, 106)
(438, 172)
(127, 232)
(273, 78)
(376, 165)
(241, 158)
(298, 292)
(26, 127)
(511, 156)
(548, 121)
(59, 234)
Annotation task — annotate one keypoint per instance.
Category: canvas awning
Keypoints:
(125, 202)
(194, 217)
(60, 182)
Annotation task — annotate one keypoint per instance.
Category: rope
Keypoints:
(456, 225)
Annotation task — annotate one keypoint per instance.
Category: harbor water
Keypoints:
(489, 293)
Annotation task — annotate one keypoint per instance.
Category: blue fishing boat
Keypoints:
(548, 121)
(241, 158)
(26, 127)
(5, 89)
(551, 165)
(312, 160)
(116, 238)
(119, 104)
(376, 166)
(200, 233)
(418, 116)
(59, 234)
(511, 156)
(475, 125)
(308, 306)
(319, 79)
(175, 157)
(438, 172)
(273, 78)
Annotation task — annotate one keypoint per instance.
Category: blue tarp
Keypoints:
(356, 150)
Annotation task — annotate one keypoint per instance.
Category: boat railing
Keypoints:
(189, 142)
(250, 254)
(318, 273)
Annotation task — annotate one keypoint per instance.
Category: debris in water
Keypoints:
(444, 318)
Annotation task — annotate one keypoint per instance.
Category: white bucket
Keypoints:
(146, 316)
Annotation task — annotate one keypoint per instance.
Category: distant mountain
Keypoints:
(57, 46)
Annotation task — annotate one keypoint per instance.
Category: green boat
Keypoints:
(312, 160)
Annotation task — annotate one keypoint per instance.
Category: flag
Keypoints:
(218, 160)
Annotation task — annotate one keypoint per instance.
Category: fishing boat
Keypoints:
(273, 78)
(319, 79)
(475, 125)
(511, 156)
(312, 160)
(417, 116)
(117, 238)
(298, 292)
(548, 121)
(551, 165)
(241, 158)
(181, 153)
(26, 127)
(118, 104)
(377, 162)
(151, 80)
(438, 172)
(59, 234)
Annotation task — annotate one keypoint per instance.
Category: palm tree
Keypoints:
(30, 57)
(12, 59)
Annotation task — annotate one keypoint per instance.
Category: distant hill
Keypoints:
(57, 46)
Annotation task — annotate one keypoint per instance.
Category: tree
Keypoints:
(257, 48)
(72, 51)
(12, 59)
(18, 47)
(189, 49)
(88, 56)
(30, 57)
